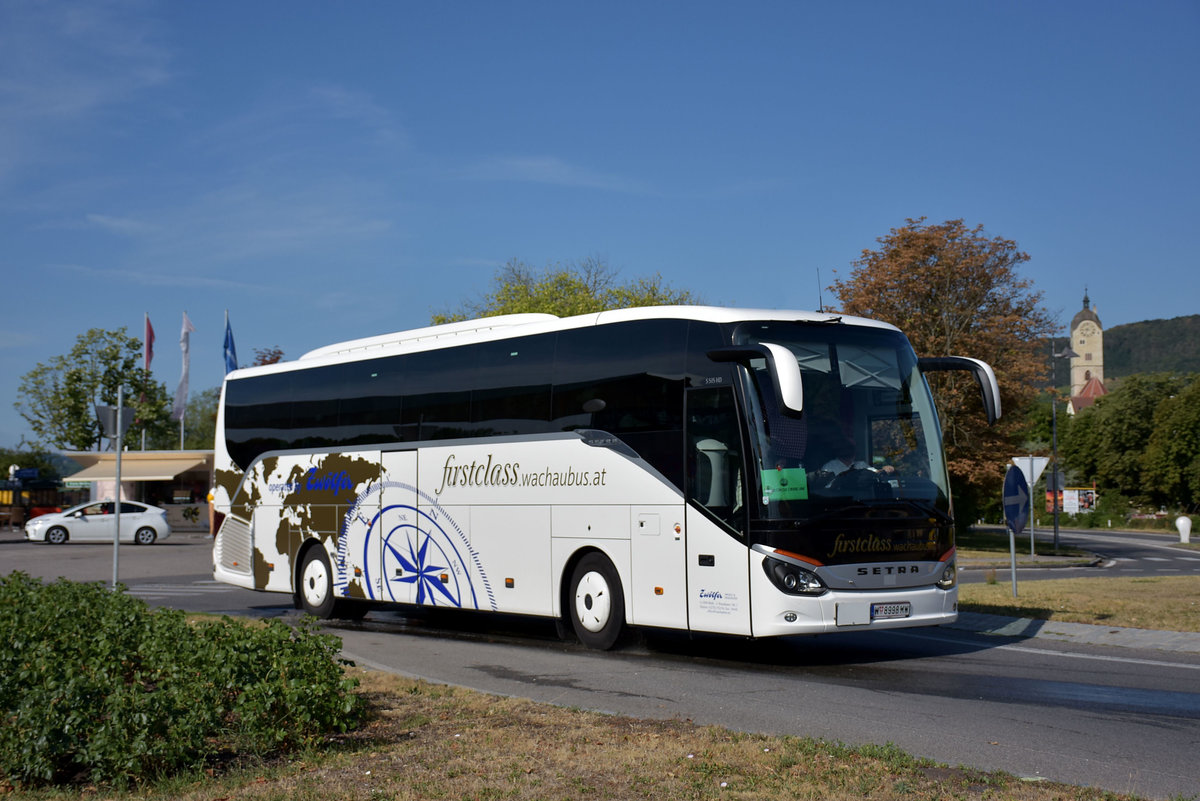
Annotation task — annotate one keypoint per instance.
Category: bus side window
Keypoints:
(714, 459)
(511, 394)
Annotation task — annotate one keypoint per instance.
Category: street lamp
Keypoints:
(1066, 354)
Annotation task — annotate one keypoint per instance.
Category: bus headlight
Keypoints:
(792, 579)
(949, 576)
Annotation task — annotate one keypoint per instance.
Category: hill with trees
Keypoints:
(1153, 346)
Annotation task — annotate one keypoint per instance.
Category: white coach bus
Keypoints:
(755, 473)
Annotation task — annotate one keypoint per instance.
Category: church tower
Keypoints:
(1087, 340)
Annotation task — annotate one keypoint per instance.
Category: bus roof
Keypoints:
(512, 325)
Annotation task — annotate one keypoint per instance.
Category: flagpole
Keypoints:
(181, 393)
(146, 346)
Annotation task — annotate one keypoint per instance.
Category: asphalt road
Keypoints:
(1120, 718)
(1136, 554)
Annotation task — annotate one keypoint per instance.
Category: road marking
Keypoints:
(176, 590)
(1025, 649)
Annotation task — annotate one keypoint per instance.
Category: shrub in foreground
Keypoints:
(96, 686)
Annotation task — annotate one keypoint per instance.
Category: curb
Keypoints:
(1023, 628)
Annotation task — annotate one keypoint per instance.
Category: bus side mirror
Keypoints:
(782, 366)
(989, 389)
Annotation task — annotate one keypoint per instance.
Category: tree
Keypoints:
(271, 355)
(1172, 458)
(565, 290)
(955, 291)
(57, 398)
(27, 455)
(1141, 440)
(201, 420)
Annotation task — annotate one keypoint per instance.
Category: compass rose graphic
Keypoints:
(412, 554)
(421, 555)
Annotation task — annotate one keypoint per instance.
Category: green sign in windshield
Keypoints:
(785, 484)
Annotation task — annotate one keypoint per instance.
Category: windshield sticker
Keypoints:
(785, 484)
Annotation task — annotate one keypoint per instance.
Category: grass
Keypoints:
(428, 741)
(1169, 603)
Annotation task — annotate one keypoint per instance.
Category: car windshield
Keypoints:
(868, 433)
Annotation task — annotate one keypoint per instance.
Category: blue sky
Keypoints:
(327, 171)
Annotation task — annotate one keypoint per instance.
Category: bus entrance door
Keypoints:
(398, 539)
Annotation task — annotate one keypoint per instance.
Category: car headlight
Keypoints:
(949, 576)
(793, 579)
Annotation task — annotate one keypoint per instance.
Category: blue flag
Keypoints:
(230, 350)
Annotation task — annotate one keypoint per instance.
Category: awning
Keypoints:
(136, 470)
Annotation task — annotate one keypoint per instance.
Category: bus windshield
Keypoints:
(868, 435)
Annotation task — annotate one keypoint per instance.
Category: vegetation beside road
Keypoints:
(418, 740)
(425, 741)
(96, 688)
(1168, 603)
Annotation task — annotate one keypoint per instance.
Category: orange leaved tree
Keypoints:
(956, 292)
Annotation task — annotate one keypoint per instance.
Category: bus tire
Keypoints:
(316, 583)
(596, 602)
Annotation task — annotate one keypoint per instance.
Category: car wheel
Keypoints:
(145, 536)
(597, 605)
(57, 535)
(316, 583)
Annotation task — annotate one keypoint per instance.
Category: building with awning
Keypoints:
(178, 481)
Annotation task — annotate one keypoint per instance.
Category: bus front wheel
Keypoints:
(316, 583)
(597, 606)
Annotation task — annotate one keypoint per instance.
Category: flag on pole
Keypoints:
(230, 351)
(148, 344)
(181, 392)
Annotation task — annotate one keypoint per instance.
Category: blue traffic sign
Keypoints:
(1016, 500)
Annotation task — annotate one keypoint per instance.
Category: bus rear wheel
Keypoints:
(597, 605)
(316, 583)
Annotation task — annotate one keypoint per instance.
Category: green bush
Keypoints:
(96, 686)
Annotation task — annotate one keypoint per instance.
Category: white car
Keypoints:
(96, 522)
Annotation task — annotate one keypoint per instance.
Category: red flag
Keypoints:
(148, 344)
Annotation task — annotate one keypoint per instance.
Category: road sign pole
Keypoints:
(117, 502)
(1031, 546)
(1012, 559)
(1017, 505)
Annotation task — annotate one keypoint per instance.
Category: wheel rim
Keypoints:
(56, 535)
(315, 583)
(145, 536)
(593, 601)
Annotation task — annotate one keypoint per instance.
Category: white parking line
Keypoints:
(176, 590)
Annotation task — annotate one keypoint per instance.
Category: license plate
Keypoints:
(894, 610)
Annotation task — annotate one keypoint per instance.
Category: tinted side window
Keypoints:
(369, 410)
(635, 369)
(627, 379)
(437, 396)
(512, 386)
(701, 370)
(315, 396)
(258, 416)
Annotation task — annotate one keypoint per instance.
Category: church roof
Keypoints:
(1085, 313)
(1093, 389)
